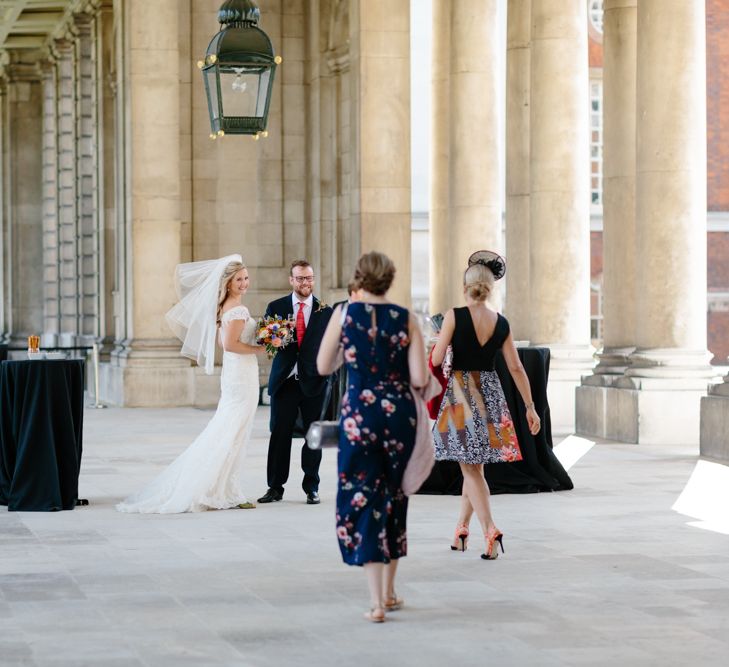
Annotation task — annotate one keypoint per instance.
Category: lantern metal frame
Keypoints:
(239, 48)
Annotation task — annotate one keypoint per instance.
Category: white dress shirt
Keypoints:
(308, 306)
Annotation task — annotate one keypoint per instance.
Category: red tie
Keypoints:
(300, 323)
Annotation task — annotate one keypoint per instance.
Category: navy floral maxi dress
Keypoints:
(377, 434)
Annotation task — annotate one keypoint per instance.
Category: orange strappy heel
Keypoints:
(493, 538)
(462, 535)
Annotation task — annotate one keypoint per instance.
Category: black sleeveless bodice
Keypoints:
(468, 355)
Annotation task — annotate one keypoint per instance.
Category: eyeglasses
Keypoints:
(303, 279)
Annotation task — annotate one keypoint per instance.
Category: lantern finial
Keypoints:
(238, 13)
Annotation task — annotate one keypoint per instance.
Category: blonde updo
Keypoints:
(373, 273)
(228, 275)
(478, 282)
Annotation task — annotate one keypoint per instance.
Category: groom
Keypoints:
(294, 384)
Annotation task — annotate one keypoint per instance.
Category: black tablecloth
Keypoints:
(41, 426)
(539, 470)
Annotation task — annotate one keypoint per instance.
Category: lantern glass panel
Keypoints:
(244, 91)
(211, 88)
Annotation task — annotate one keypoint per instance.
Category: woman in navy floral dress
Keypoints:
(377, 426)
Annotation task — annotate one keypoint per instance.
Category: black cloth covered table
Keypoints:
(41, 426)
(539, 470)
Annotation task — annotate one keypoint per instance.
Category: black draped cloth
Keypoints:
(539, 470)
(41, 425)
(3, 352)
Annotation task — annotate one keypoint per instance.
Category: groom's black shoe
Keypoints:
(271, 496)
(312, 498)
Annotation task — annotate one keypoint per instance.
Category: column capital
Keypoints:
(23, 66)
(61, 47)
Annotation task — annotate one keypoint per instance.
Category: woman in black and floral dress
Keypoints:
(474, 426)
(384, 356)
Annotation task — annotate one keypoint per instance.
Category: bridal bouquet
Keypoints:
(275, 332)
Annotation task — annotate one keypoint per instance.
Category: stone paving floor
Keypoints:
(603, 574)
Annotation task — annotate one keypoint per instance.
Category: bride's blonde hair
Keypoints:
(228, 275)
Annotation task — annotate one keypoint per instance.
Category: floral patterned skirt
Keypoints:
(474, 424)
(375, 443)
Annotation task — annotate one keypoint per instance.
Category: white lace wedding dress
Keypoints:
(207, 475)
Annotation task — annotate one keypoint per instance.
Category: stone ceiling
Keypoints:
(27, 24)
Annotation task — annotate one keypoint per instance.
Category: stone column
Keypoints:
(66, 179)
(146, 368)
(597, 407)
(5, 320)
(559, 198)
(108, 200)
(440, 149)
(670, 368)
(380, 68)
(88, 276)
(23, 236)
(518, 31)
(465, 188)
(714, 429)
(51, 287)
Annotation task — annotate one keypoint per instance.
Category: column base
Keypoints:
(714, 440)
(641, 410)
(568, 364)
(152, 374)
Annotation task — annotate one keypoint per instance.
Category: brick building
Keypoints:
(717, 85)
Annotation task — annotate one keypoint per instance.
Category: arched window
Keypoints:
(594, 11)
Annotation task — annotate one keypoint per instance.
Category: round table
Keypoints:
(41, 428)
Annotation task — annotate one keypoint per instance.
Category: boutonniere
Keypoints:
(321, 307)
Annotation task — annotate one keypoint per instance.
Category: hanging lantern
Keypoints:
(238, 71)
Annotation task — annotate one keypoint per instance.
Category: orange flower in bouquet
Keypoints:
(275, 333)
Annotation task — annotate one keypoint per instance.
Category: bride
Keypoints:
(207, 475)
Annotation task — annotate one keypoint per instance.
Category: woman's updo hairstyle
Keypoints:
(478, 281)
(374, 273)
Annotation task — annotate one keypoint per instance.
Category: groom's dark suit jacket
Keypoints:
(301, 353)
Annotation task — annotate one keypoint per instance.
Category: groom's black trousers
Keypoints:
(285, 407)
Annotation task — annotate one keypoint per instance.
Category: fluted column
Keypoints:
(380, 195)
(671, 189)
(670, 366)
(5, 319)
(518, 22)
(440, 149)
(67, 195)
(87, 154)
(619, 233)
(559, 198)
(51, 284)
(465, 142)
(597, 403)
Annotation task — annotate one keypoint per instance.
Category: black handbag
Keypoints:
(324, 432)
